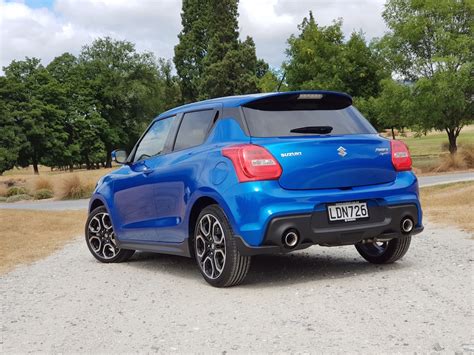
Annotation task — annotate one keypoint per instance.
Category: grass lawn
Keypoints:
(26, 236)
(425, 150)
(450, 204)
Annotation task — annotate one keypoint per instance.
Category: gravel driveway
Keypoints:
(321, 299)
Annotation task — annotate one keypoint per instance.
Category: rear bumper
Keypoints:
(314, 228)
(254, 208)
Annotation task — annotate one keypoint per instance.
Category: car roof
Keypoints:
(240, 100)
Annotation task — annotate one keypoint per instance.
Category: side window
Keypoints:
(193, 129)
(154, 140)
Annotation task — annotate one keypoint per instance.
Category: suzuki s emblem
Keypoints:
(341, 151)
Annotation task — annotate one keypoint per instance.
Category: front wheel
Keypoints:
(100, 238)
(217, 256)
(384, 252)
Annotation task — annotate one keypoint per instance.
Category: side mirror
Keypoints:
(119, 156)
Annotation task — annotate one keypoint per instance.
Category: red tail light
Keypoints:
(400, 156)
(252, 162)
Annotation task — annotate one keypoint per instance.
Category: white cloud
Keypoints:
(154, 24)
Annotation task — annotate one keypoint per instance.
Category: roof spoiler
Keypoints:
(303, 100)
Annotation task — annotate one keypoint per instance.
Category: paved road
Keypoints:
(52, 205)
(317, 300)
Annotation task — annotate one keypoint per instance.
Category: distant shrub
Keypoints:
(3, 199)
(19, 197)
(42, 194)
(74, 188)
(16, 190)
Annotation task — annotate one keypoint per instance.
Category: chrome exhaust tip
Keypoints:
(407, 225)
(290, 239)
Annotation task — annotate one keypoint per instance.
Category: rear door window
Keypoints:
(268, 123)
(193, 129)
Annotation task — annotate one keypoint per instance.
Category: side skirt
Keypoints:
(181, 249)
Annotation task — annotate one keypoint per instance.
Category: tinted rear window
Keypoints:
(193, 129)
(266, 123)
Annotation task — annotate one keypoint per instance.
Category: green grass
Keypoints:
(425, 150)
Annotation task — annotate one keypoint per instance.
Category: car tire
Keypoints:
(215, 249)
(384, 252)
(100, 238)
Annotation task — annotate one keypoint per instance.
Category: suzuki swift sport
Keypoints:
(226, 179)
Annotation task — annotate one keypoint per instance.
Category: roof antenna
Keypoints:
(281, 81)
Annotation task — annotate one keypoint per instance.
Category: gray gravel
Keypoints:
(52, 205)
(321, 299)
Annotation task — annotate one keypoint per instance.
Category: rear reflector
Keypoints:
(252, 162)
(400, 156)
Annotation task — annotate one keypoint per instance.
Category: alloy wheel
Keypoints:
(210, 246)
(101, 236)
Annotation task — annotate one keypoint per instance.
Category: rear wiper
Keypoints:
(313, 129)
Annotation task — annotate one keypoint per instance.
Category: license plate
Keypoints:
(348, 211)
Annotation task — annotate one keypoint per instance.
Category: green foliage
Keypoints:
(33, 105)
(444, 102)
(3, 199)
(210, 59)
(392, 108)
(16, 198)
(16, 190)
(319, 58)
(431, 43)
(42, 194)
(10, 138)
(191, 50)
(428, 36)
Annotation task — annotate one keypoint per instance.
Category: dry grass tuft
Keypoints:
(467, 153)
(449, 204)
(27, 236)
(74, 188)
(42, 183)
(3, 190)
(451, 162)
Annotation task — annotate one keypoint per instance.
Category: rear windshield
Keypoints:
(265, 123)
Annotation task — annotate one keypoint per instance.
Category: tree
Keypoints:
(125, 85)
(431, 44)
(319, 58)
(393, 108)
(230, 66)
(210, 59)
(11, 138)
(191, 50)
(34, 109)
(315, 57)
(445, 102)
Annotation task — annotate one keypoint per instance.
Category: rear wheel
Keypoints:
(100, 238)
(216, 253)
(384, 252)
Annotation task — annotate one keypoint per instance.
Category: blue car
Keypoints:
(226, 179)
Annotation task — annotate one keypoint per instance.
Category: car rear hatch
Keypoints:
(332, 145)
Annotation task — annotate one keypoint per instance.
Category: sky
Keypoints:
(48, 28)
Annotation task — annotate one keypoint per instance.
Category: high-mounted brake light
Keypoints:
(310, 96)
(400, 155)
(252, 162)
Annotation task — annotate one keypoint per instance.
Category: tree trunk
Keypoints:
(71, 168)
(35, 164)
(452, 137)
(108, 164)
(393, 133)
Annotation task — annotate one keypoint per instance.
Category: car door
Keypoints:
(179, 174)
(135, 196)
